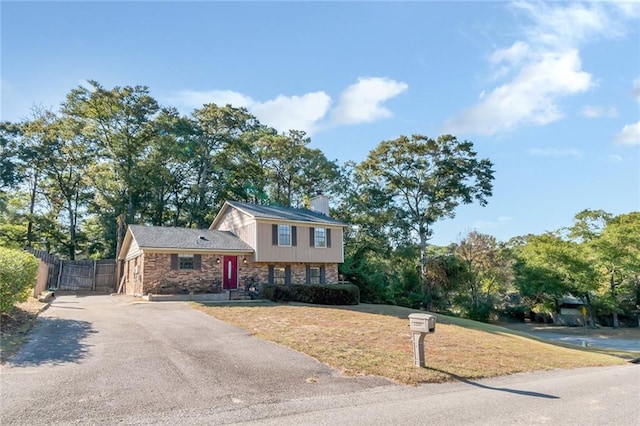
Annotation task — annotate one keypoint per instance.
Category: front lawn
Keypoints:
(375, 340)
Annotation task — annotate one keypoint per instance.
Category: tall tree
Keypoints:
(487, 276)
(293, 170)
(120, 121)
(617, 256)
(64, 156)
(422, 180)
(217, 129)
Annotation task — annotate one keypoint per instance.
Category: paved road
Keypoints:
(108, 360)
(595, 341)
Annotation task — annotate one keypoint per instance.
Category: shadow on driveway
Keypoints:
(54, 341)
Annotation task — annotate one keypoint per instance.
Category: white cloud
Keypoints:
(614, 158)
(538, 71)
(636, 89)
(192, 99)
(359, 103)
(487, 224)
(597, 111)
(362, 102)
(629, 135)
(293, 112)
(555, 152)
(529, 98)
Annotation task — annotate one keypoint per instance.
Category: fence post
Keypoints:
(95, 271)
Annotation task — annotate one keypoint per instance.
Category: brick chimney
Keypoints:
(320, 204)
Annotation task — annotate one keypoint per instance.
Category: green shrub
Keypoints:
(18, 273)
(319, 294)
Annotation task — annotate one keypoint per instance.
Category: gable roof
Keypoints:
(161, 237)
(258, 211)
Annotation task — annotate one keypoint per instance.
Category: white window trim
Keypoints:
(290, 236)
(315, 238)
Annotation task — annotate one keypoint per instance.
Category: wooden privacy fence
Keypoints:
(75, 275)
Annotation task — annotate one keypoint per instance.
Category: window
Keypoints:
(314, 275)
(279, 275)
(284, 235)
(185, 261)
(320, 237)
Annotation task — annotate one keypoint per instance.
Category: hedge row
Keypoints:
(18, 273)
(319, 294)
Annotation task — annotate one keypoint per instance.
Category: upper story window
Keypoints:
(283, 235)
(320, 237)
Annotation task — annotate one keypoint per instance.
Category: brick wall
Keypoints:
(159, 278)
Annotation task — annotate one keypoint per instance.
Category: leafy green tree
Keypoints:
(419, 180)
(293, 170)
(487, 274)
(218, 129)
(120, 122)
(63, 157)
(617, 257)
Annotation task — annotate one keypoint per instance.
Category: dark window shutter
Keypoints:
(197, 262)
(294, 236)
(174, 261)
(270, 274)
(287, 274)
(312, 237)
(274, 235)
(328, 238)
(308, 274)
(322, 276)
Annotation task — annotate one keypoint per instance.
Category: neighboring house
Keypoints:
(246, 243)
(573, 312)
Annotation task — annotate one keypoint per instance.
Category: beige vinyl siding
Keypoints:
(134, 250)
(302, 252)
(242, 225)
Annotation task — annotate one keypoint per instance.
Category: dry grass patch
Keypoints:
(375, 340)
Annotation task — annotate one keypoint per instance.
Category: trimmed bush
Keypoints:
(318, 294)
(18, 273)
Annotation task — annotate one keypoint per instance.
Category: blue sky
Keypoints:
(548, 91)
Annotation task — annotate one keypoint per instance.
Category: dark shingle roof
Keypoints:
(186, 238)
(284, 213)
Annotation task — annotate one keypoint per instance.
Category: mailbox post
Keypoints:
(421, 325)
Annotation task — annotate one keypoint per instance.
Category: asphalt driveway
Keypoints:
(110, 357)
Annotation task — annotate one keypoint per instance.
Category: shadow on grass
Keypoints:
(508, 390)
(54, 341)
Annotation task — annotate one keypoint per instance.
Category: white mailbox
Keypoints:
(422, 323)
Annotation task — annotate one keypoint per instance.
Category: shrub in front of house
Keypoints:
(318, 294)
(18, 273)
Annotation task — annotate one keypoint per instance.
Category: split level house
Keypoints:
(246, 243)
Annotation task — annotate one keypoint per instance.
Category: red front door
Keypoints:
(230, 273)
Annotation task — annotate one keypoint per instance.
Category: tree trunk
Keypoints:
(32, 206)
(612, 282)
(592, 317)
